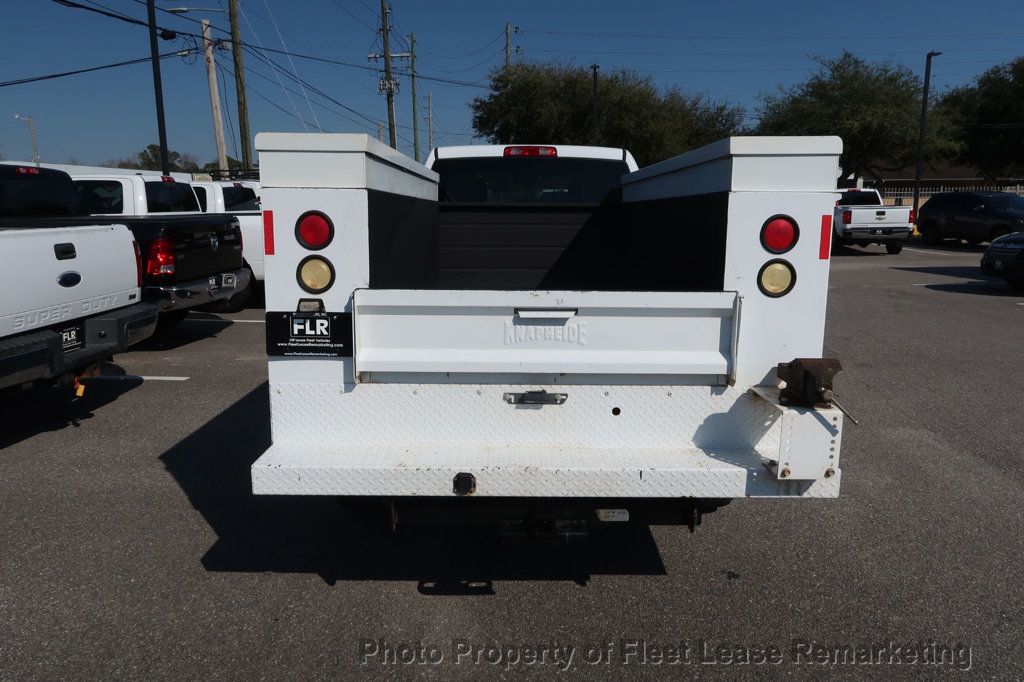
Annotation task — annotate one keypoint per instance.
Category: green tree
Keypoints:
(989, 119)
(552, 103)
(149, 159)
(874, 107)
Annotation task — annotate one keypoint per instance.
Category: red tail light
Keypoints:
(847, 217)
(530, 150)
(27, 171)
(913, 217)
(779, 234)
(166, 178)
(138, 263)
(314, 230)
(160, 259)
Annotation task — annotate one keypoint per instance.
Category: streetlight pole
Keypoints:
(593, 135)
(165, 166)
(32, 132)
(920, 138)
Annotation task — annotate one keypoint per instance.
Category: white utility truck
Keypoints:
(861, 218)
(548, 326)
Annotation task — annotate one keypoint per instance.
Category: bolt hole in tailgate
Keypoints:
(545, 332)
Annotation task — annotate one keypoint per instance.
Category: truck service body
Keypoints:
(513, 335)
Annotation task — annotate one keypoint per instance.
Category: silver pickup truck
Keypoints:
(861, 218)
(70, 296)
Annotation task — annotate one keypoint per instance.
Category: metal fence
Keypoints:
(904, 195)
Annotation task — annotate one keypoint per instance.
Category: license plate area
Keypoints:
(72, 337)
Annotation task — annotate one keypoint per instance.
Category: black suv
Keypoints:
(975, 216)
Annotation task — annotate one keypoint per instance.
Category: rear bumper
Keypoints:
(870, 233)
(38, 355)
(198, 292)
(794, 453)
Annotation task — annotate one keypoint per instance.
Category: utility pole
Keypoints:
(380, 132)
(211, 77)
(430, 120)
(920, 138)
(243, 108)
(389, 84)
(593, 135)
(415, 121)
(32, 132)
(154, 55)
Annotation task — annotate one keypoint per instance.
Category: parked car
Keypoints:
(69, 292)
(974, 216)
(1005, 258)
(861, 218)
(242, 200)
(191, 258)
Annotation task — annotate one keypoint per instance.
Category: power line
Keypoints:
(362, 67)
(704, 53)
(50, 76)
(290, 61)
(468, 54)
(352, 14)
(260, 43)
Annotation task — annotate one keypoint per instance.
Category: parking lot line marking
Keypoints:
(938, 253)
(137, 377)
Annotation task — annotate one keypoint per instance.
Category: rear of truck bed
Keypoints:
(624, 349)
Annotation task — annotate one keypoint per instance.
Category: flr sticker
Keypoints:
(309, 334)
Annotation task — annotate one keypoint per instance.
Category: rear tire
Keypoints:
(930, 234)
(893, 247)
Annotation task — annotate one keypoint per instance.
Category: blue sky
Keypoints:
(731, 50)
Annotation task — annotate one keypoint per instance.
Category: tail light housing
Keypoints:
(913, 217)
(160, 258)
(847, 217)
(138, 263)
(314, 230)
(530, 150)
(776, 278)
(779, 234)
(315, 274)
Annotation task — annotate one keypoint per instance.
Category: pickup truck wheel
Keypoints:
(893, 247)
(930, 234)
(170, 319)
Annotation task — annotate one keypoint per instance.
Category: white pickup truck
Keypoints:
(69, 295)
(861, 218)
(548, 328)
(242, 200)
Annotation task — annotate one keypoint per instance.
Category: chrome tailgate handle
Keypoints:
(545, 313)
(535, 398)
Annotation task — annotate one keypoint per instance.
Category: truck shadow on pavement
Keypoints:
(24, 414)
(341, 542)
(977, 282)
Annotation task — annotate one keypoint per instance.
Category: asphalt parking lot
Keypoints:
(131, 546)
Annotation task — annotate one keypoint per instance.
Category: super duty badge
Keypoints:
(309, 334)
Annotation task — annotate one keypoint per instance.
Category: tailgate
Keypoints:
(879, 216)
(545, 332)
(60, 274)
(206, 248)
